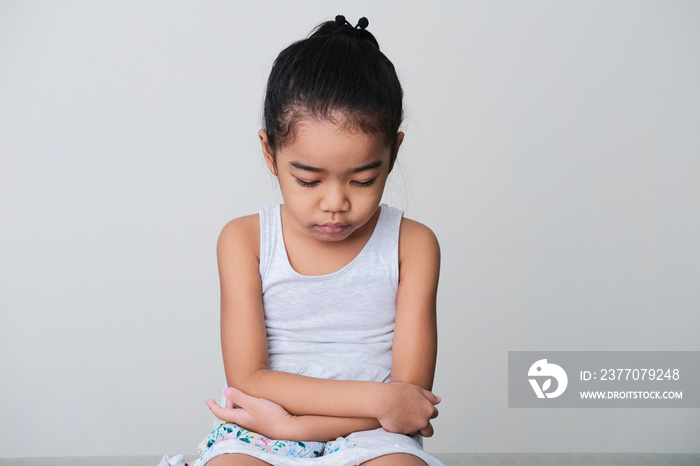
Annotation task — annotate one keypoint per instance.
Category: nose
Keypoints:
(334, 199)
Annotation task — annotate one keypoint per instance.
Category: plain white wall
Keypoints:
(552, 146)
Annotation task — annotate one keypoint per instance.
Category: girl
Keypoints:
(328, 324)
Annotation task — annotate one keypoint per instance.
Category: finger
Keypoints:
(217, 410)
(238, 398)
(234, 415)
(430, 396)
(229, 404)
(435, 413)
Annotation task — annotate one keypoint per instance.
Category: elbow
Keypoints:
(247, 381)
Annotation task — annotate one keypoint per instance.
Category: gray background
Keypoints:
(552, 146)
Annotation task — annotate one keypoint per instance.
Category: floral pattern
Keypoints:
(232, 432)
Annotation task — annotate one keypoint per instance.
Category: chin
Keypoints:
(332, 237)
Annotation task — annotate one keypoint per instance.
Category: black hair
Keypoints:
(337, 68)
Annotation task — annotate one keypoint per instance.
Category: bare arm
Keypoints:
(415, 332)
(244, 346)
(414, 350)
(270, 419)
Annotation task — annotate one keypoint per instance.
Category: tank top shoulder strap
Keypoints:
(386, 232)
(382, 250)
(270, 235)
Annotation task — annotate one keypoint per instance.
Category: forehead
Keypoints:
(332, 146)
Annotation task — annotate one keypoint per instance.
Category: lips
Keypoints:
(332, 227)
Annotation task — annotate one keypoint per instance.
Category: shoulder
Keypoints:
(240, 235)
(241, 228)
(417, 243)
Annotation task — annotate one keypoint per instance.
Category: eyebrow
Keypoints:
(369, 166)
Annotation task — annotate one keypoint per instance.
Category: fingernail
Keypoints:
(228, 390)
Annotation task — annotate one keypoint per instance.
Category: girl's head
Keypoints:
(337, 74)
(332, 115)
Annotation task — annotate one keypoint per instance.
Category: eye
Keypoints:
(364, 184)
(306, 184)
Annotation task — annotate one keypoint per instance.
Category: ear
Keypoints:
(268, 152)
(399, 139)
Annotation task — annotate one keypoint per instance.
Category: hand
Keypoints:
(257, 414)
(408, 409)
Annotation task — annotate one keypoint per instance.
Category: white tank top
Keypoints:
(334, 326)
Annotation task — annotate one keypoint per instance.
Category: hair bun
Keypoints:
(343, 25)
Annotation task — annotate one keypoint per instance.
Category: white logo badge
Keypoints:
(543, 369)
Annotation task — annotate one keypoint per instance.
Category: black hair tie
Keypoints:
(340, 21)
(342, 25)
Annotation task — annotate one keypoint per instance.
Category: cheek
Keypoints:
(301, 197)
(370, 200)
(288, 185)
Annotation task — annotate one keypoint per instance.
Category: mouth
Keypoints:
(332, 227)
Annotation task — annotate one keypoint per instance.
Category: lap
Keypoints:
(235, 459)
(395, 459)
(231, 445)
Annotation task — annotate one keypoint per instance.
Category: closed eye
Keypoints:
(364, 184)
(306, 184)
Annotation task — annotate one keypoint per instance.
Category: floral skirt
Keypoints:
(233, 432)
(354, 449)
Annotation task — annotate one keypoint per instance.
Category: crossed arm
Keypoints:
(319, 409)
